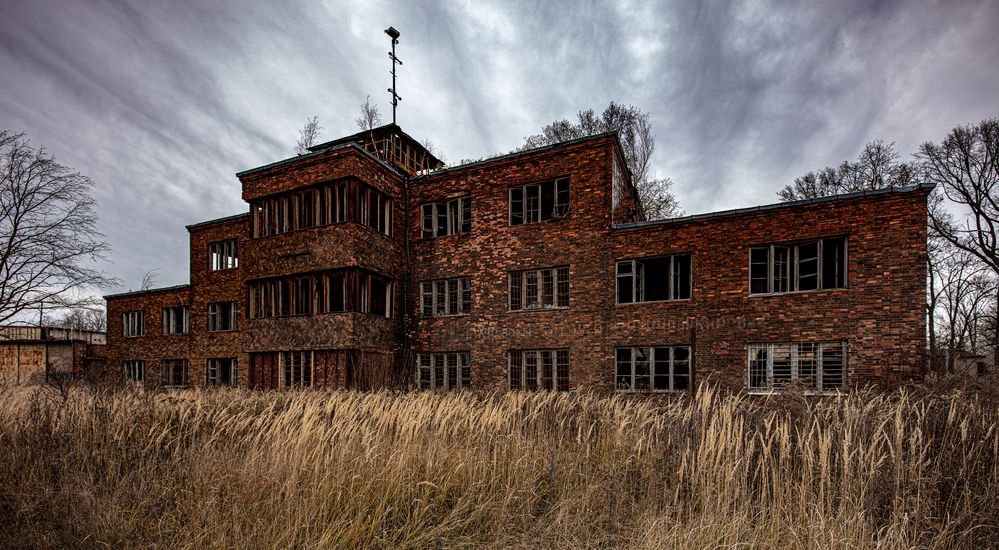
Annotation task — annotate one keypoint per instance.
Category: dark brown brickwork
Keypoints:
(880, 314)
(154, 346)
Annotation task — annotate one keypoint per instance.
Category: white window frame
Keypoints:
(671, 363)
(222, 255)
(531, 213)
(793, 259)
(133, 323)
(302, 357)
(170, 318)
(213, 371)
(535, 279)
(794, 374)
(462, 369)
(433, 298)
(638, 280)
(134, 370)
(456, 211)
(521, 357)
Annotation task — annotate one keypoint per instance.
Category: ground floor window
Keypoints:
(296, 369)
(174, 372)
(539, 369)
(135, 370)
(449, 370)
(818, 366)
(221, 372)
(652, 369)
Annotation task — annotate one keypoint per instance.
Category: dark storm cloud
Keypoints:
(162, 102)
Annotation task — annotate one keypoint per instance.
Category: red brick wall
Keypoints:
(154, 346)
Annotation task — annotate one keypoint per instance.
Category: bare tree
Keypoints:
(369, 118)
(149, 279)
(965, 288)
(638, 142)
(83, 318)
(965, 166)
(308, 135)
(877, 167)
(48, 231)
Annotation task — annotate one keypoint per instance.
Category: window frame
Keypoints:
(427, 361)
(169, 319)
(185, 372)
(792, 275)
(233, 364)
(529, 192)
(671, 366)
(301, 354)
(794, 366)
(536, 280)
(639, 279)
(431, 289)
(131, 367)
(224, 253)
(134, 320)
(214, 318)
(517, 362)
(460, 224)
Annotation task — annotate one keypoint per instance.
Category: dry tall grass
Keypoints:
(340, 469)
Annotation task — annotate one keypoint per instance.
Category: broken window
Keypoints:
(654, 279)
(175, 320)
(174, 372)
(450, 370)
(331, 292)
(450, 217)
(546, 369)
(222, 316)
(296, 369)
(135, 371)
(133, 323)
(376, 295)
(539, 288)
(817, 366)
(221, 372)
(326, 292)
(653, 369)
(539, 202)
(798, 267)
(376, 210)
(222, 255)
(300, 209)
(446, 297)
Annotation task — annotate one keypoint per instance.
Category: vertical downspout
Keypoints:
(407, 281)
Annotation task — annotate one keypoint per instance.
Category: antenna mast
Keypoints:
(394, 34)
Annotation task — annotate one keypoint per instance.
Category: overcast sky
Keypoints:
(161, 103)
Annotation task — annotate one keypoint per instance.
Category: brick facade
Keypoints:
(879, 314)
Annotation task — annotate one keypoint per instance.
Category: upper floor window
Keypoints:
(174, 372)
(444, 370)
(654, 279)
(654, 369)
(222, 255)
(446, 297)
(300, 209)
(818, 366)
(296, 369)
(319, 293)
(446, 218)
(798, 267)
(376, 210)
(539, 202)
(222, 316)
(539, 288)
(376, 295)
(175, 320)
(544, 369)
(133, 323)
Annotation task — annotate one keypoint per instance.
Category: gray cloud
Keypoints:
(161, 103)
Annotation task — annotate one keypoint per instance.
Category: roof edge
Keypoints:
(217, 220)
(149, 291)
(335, 148)
(778, 206)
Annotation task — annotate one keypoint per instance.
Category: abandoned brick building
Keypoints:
(367, 263)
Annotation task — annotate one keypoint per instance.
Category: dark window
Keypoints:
(817, 366)
(222, 316)
(133, 323)
(440, 219)
(445, 297)
(654, 279)
(451, 370)
(539, 288)
(135, 371)
(642, 369)
(222, 255)
(800, 267)
(539, 202)
(221, 372)
(174, 372)
(546, 369)
(328, 292)
(175, 320)
(296, 369)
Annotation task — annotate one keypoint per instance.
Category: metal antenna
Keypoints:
(394, 34)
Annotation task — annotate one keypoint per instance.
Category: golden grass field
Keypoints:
(313, 469)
